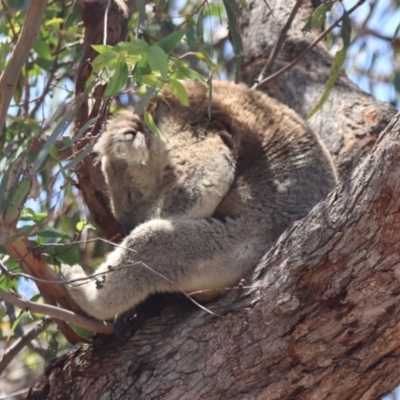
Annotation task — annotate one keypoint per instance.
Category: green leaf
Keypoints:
(145, 99)
(337, 65)
(15, 324)
(101, 48)
(118, 80)
(200, 27)
(191, 73)
(179, 91)
(317, 20)
(60, 127)
(82, 130)
(54, 22)
(80, 157)
(25, 231)
(17, 199)
(171, 41)
(88, 149)
(42, 49)
(141, 7)
(53, 151)
(106, 59)
(345, 32)
(158, 60)
(233, 13)
(148, 119)
(81, 225)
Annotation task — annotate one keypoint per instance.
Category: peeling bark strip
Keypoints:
(323, 322)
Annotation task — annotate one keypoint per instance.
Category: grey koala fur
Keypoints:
(205, 206)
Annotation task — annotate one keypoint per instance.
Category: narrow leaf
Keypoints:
(345, 32)
(179, 91)
(158, 60)
(171, 41)
(101, 48)
(60, 127)
(148, 119)
(79, 157)
(118, 80)
(17, 199)
(145, 100)
(317, 20)
(233, 13)
(141, 7)
(200, 27)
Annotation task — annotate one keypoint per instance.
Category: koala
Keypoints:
(202, 208)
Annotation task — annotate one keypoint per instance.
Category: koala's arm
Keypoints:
(168, 256)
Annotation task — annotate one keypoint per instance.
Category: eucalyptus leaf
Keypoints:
(158, 60)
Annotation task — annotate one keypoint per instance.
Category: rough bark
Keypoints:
(321, 320)
(350, 120)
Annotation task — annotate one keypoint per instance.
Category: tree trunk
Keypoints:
(320, 320)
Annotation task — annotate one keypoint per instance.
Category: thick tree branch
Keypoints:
(324, 309)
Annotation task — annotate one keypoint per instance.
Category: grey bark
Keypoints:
(321, 320)
(350, 120)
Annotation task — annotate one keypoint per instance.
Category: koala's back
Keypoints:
(281, 167)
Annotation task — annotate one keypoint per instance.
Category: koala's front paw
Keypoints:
(70, 273)
(125, 138)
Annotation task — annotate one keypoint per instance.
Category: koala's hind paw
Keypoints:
(70, 273)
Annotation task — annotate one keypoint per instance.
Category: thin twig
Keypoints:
(21, 342)
(91, 324)
(191, 15)
(281, 40)
(270, 78)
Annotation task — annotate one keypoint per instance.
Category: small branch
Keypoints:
(23, 341)
(281, 40)
(105, 328)
(9, 77)
(277, 74)
(394, 41)
(196, 9)
(34, 345)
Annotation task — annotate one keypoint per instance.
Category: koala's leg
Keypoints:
(169, 256)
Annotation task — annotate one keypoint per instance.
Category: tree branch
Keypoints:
(9, 77)
(323, 35)
(105, 328)
(278, 46)
(21, 342)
